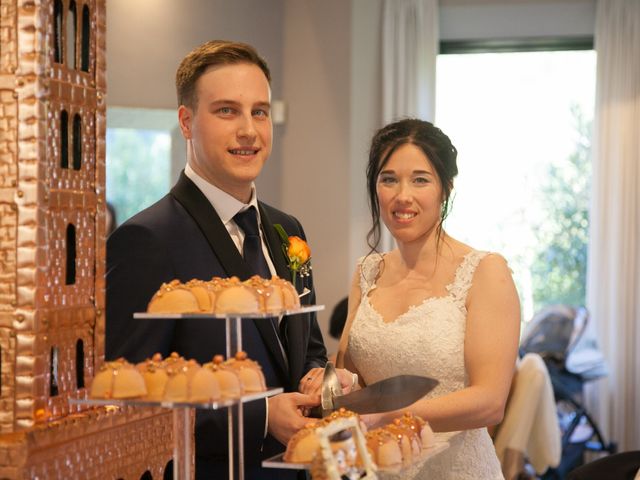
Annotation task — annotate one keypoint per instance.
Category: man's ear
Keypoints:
(185, 116)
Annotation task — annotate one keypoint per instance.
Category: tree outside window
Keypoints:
(522, 125)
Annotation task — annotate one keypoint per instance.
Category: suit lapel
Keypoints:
(296, 326)
(203, 213)
(194, 202)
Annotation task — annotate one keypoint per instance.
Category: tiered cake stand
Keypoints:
(182, 412)
(440, 444)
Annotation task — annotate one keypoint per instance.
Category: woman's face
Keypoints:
(409, 194)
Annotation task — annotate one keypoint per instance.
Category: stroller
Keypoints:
(559, 334)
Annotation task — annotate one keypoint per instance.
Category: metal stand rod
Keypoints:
(234, 345)
(238, 332)
(228, 334)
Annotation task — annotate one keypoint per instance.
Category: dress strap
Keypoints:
(369, 267)
(464, 275)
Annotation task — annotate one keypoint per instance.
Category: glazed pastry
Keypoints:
(227, 377)
(249, 371)
(225, 295)
(118, 379)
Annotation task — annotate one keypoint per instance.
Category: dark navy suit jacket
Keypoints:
(181, 237)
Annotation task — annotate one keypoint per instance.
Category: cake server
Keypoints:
(389, 394)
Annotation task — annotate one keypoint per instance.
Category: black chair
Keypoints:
(620, 466)
(338, 318)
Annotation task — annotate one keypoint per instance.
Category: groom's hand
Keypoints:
(311, 383)
(285, 414)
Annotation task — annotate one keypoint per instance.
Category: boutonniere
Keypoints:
(297, 253)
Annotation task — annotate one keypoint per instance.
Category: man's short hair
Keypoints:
(212, 53)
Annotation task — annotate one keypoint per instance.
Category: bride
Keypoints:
(433, 306)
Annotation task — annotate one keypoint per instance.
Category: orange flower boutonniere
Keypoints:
(297, 253)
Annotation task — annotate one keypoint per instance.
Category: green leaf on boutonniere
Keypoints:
(283, 235)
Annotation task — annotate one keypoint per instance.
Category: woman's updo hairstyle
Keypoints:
(428, 138)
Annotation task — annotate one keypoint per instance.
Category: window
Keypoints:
(77, 142)
(53, 372)
(521, 122)
(80, 364)
(64, 139)
(86, 39)
(70, 51)
(57, 31)
(145, 152)
(70, 271)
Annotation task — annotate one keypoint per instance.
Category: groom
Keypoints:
(212, 224)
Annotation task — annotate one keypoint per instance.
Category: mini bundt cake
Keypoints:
(400, 442)
(237, 297)
(190, 382)
(118, 379)
(384, 448)
(173, 297)
(227, 377)
(303, 445)
(249, 371)
(155, 376)
(225, 296)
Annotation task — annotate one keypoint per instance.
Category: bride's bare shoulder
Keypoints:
(454, 250)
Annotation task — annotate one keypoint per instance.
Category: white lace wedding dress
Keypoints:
(426, 340)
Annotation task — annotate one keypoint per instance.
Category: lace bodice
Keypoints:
(428, 340)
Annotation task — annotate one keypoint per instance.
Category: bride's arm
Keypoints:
(311, 383)
(343, 360)
(491, 347)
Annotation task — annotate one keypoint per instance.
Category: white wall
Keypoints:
(366, 115)
(495, 19)
(316, 140)
(147, 39)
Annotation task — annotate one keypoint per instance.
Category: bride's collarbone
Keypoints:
(394, 300)
(422, 285)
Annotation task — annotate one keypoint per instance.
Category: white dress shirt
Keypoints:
(227, 207)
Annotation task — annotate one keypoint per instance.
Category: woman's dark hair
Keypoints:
(428, 138)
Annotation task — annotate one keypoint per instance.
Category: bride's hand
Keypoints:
(311, 383)
(348, 380)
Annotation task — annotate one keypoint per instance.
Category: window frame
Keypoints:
(506, 45)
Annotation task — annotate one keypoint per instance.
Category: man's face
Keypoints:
(230, 127)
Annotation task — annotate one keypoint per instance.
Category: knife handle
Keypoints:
(316, 412)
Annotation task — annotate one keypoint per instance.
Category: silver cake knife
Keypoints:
(389, 394)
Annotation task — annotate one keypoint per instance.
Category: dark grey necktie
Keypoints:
(253, 255)
(252, 245)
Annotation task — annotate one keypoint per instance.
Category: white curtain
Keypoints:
(613, 284)
(409, 48)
